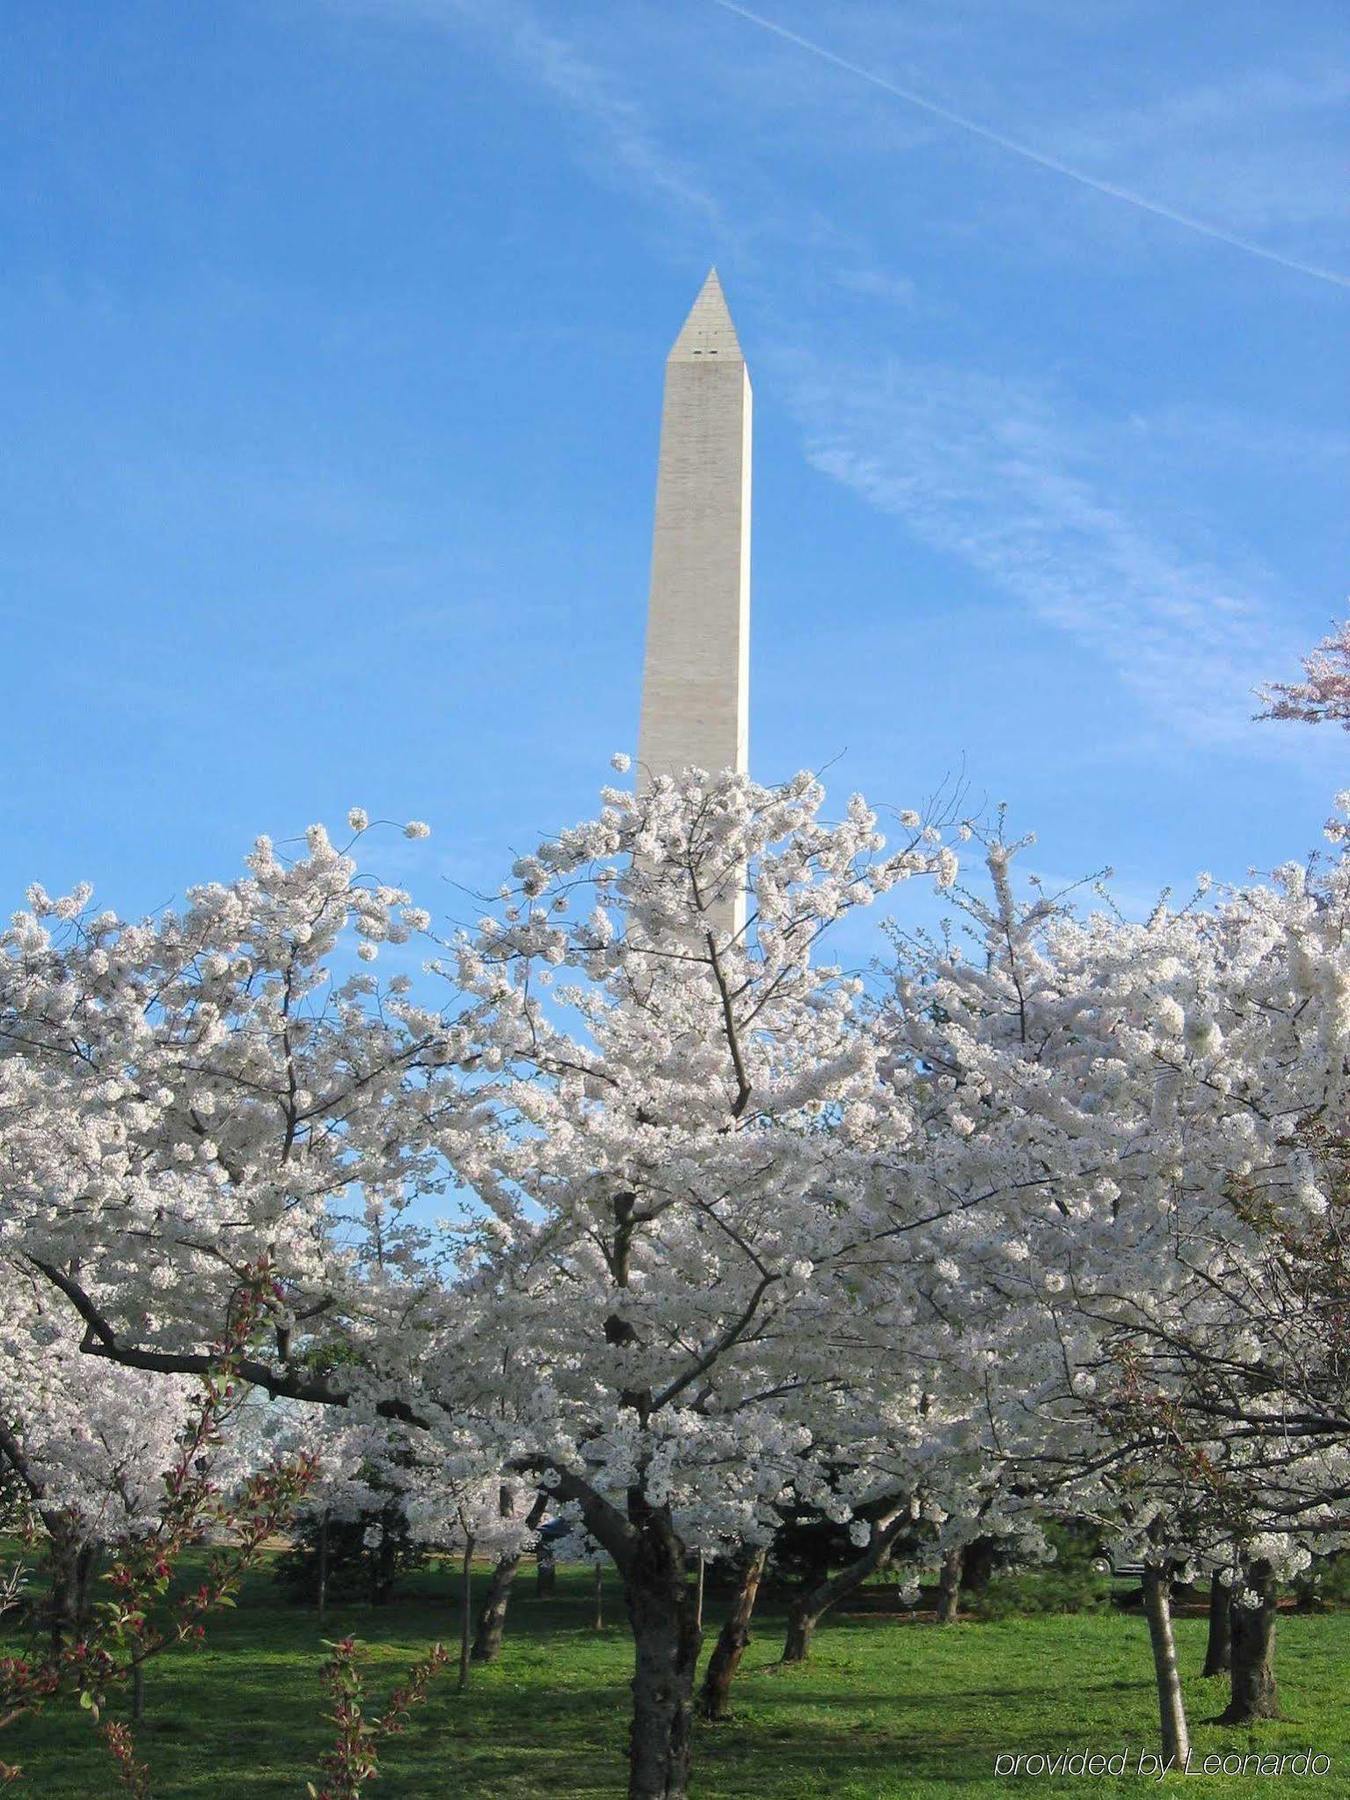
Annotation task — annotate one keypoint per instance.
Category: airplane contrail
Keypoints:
(1039, 157)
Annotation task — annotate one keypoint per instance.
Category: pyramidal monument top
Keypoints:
(708, 331)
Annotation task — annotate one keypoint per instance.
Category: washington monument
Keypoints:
(696, 677)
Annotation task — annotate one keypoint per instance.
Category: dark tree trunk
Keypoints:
(1306, 1597)
(1218, 1645)
(806, 1610)
(698, 1603)
(72, 1563)
(1254, 1693)
(1176, 1741)
(465, 1612)
(545, 1572)
(321, 1594)
(382, 1570)
(491, 1628)
(487, 1643)
(651, 1559)
(86, 1567)
(801, 1628)
(666, 1644)
(598, 1622)
(715, 1700)
(949, 1586)
(61, 1601)
(977, 1564)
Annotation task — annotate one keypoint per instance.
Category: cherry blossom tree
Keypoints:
(655, 1306)
(144, 1615)
(1323, 696)
(89, 1444)
(677, 1188)
(1162, 1108)
(182, 1098)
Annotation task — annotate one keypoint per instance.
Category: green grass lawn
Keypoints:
(888, 1707)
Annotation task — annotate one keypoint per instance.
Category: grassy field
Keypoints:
(887, 1708)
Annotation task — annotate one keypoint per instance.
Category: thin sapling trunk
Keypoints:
(1176, 1740)
(321, 1594)
(465, 1612)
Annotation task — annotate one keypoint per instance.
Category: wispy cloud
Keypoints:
(625, 149)
(1017, 147)
(878, 284)
(1263, 148)
(985, 470)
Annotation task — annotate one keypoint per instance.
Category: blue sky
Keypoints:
(333, 334)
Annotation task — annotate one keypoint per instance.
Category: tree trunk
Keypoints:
(698, 1604)
(72, 1563)
(666, 1644)
(1176, 1741)
(1254, 1694)
(465, 1612)
(86, 1567)
(1307, 1599)
(599, 1620)
(545, 1572)
(801, 1628)
(1218, 1646)
(806, 1610)
(949, 1586)
(487, 1643)
(321, 1596)
(715, 1700)
(977, 1564)
(382, 1570)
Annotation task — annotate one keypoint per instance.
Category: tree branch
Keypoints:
(100, 1339)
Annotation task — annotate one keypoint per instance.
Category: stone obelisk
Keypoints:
(696, 678)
